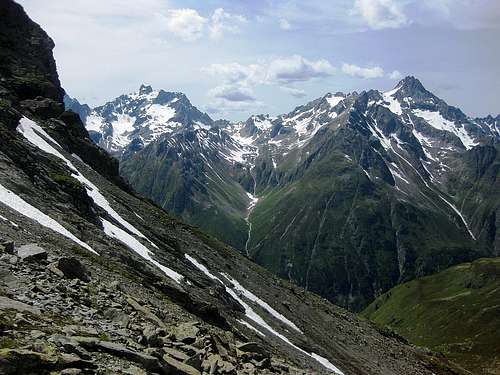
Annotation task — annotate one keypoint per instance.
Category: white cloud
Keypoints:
(396, 75)
(297, 93)
(224, 22)
(280, 72)
(232, 93)
(189, 25)
(235, 94)
(186, 24)
(298, 69)
(284, 24)
(357, 71)
(381, 14)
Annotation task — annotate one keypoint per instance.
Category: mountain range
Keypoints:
(95, 279)
(347, 195)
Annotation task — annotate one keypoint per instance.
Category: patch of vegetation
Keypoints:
(67, 182)
(456, 312)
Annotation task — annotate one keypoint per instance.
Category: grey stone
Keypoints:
(52, 267)
(147, 361)
(10, 304)
(180, 367)
(117, 316)
(176, 354)
(31, 252)
(187, 332)
(251, 347)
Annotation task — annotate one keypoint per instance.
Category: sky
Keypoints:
(234, 58)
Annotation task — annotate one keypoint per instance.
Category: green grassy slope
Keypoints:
(456, 312)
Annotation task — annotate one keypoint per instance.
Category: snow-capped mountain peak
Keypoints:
(142, 117)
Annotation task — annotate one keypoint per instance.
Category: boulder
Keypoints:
(251, 347)
(176, 354)
(177, 367)
(7, 246)
(152, 336)
(72, 268)
(31, 253)
(52, 267)
(22, 361)
(187, 332)
(147, 361)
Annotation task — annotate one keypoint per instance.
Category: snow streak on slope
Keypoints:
(9, 221)
(33, 133)
(460, 215)
(237, 291)
(252, 297)
(18, 204)
(202, 268)
(113, 231)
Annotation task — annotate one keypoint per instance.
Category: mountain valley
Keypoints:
(346, 196)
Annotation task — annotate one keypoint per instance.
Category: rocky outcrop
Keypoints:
(27, 65)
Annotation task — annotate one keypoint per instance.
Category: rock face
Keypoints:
(163, 296)
(34, 75)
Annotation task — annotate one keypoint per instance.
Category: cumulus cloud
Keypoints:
(357, 71)
(381, 14)
(189, 25)
(238, 80)
(186, 24)
(296, 93)
(281, 71)
(284, 24)
(395, 75)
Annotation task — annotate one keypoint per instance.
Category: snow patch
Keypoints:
(460, 215)
(394, 105)
(94, 122)
(436, 120)
(248, 325)
(334, 100)
(326, 363)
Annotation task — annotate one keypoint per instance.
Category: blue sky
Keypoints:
(236, 58)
